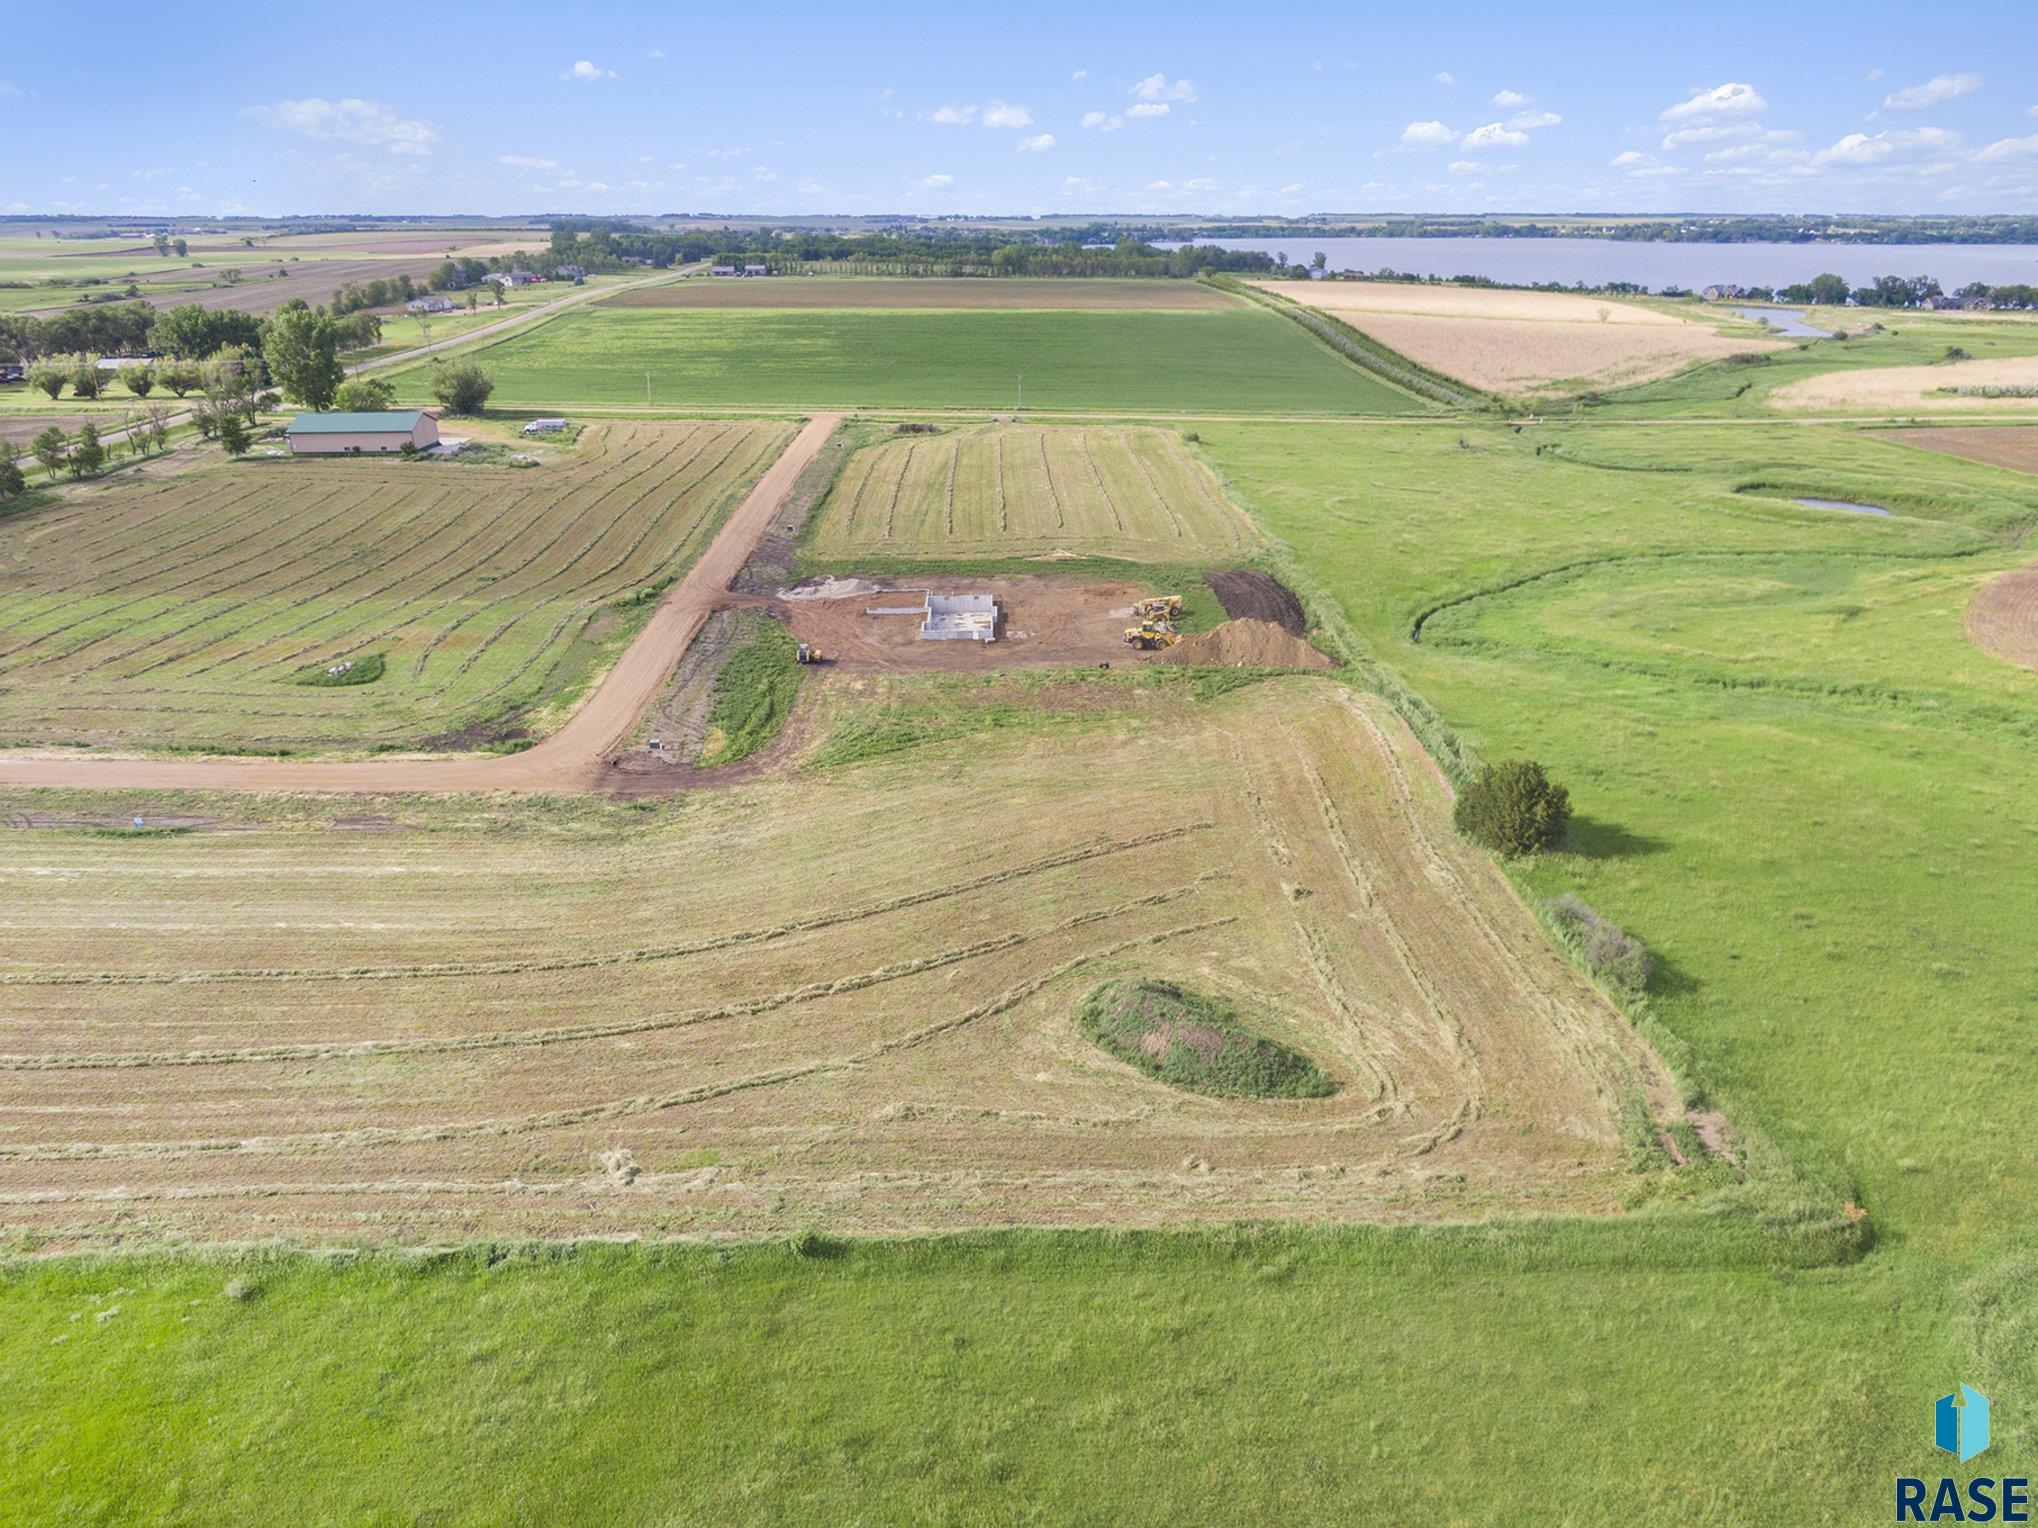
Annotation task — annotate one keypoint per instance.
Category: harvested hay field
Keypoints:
(2014, 446)
(193, 611)
(1023, 490)
(840, 1000)
(2002, 618)
(1914, 389)
(1247, 644)
(1524, 343)
(920, 292)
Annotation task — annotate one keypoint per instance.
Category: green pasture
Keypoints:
(1153, 362)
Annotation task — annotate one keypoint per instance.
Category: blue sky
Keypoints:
(521, 107)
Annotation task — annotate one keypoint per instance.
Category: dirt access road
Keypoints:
(573, 758)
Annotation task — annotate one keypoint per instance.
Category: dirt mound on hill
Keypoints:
(1247, 644)
(1247, 595)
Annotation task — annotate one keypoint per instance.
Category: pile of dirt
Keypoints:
(1247, 644)
(1247, 595)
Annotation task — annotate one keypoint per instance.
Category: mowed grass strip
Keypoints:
(1028, 490)
(180, 612)
(933, 292)
(1236, 360)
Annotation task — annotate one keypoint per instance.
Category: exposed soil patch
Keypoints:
(2014, 446)
(2002, 618)
(1247, 644)
(1042, 622)
(507, 728)
(22, 428)
(1248, 595)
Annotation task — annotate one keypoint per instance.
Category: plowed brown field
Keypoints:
(2002, 618)
(838, 999)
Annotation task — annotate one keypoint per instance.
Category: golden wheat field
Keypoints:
(1522, 343)
(1913, 389)
(839, 999)
(1003, 490)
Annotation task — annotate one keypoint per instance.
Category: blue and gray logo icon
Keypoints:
(1960, 1423)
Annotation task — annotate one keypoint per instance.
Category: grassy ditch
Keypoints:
(753, 694)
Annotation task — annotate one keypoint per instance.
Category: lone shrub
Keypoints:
(462, 386)
(1613, 955)
(1513, 808)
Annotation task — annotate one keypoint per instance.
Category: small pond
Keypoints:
(1847, 504)
(1787, 322)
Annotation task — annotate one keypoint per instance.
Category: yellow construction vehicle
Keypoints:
(807, 653)
(1162, 607)
(1150, 636)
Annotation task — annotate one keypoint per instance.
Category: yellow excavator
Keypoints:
(1156, 628)
(807, 653)
(1149, 636)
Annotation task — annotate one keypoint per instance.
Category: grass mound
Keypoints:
(1195, 1042)
(363, 670)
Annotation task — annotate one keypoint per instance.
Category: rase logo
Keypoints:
(1960, 1428)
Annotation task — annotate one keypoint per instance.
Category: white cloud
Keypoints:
(937, 182)
(1160, 185)
(1728, 132)
(1462, 167)
(9, 88)
(1754, 153)
(1444, 77)
(1201, 184)
(2031, 111)
(998, 114)
(1860, 148)
(1525, 120)
(735, 153)
(589, 72)
(1511, 98)
(953, 116)
(1872, 76)
(1632, 159)
(1427, 135)
(2009, 148)
(1493, 136)
(1731, 100)
(1655, 171)
(1037, 143)
(349, 121)
(1146, 109)
(1093, 119)
(654, 53)
(526, 162)
(1080, 75)
(1936, 91)
(1155, 87)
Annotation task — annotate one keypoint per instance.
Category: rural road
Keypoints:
(571, 759)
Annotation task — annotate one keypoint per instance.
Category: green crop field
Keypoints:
(187, 612)
(1235, 359)
(1013, 490)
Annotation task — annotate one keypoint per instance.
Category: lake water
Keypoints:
(1787, 322)
(1847, 504)
(1523, 262)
